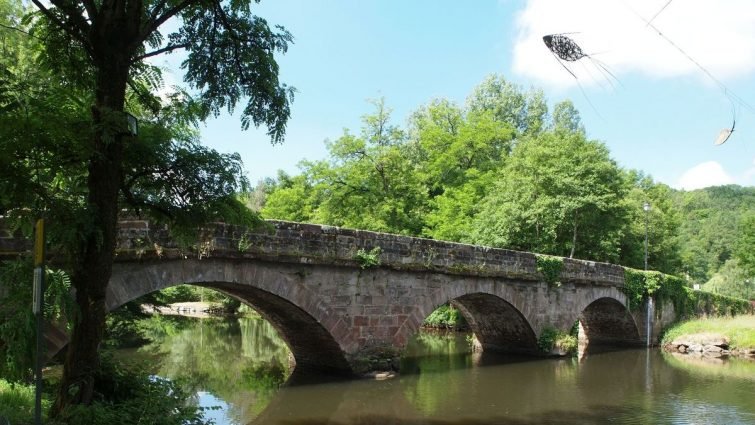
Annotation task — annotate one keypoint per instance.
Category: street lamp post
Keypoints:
(646, 207)
(649, 318)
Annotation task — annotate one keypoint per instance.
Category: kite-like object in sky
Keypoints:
(724, 135)
(566, 49)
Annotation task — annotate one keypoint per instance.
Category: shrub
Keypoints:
(367, 259)
(129, 396)
(550, 267)
(446, 317)
(552, 338)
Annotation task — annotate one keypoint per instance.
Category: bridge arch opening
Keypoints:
(607, 323)
(498, 326)
(314, 348)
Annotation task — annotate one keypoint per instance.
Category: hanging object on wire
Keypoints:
(725, 133)
(566, 49)
(735, 100)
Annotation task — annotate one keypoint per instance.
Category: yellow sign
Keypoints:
(39, 243)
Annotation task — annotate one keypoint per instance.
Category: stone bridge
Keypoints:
(339, 315)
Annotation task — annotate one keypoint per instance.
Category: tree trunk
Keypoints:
(93, 268)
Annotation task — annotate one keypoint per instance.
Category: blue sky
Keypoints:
(662, 117)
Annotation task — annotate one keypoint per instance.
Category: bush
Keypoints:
(129, 396)
(17, 323)
(552, 338)
(445, 317)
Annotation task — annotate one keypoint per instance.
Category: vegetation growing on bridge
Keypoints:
(639, 285)
(550, 267)
(367, 259)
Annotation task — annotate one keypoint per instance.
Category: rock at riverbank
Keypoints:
(709, 345)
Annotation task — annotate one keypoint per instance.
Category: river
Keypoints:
(237, 369)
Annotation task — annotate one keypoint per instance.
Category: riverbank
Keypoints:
(713, 337)
(188, 308)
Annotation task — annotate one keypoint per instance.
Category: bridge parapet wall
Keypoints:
(283, 241)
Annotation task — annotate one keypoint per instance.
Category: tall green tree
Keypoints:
(710, 227)
(558, 193)
(745, 248)
(456, 153)
(525, 112)
(732, 280)
(370, 182)
(99, 50)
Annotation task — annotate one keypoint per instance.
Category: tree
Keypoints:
(711, 227)
(745, 248)
(370, 181)
(456, 153)
(524, 112)
(293, 198)
(558, 193)
(99, 49)
(566, 118)
(732, 280)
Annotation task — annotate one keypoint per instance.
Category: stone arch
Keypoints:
(493, 308)
(497, 324)
(607, 322)
(275, 290)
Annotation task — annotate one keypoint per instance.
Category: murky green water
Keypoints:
(239, 367)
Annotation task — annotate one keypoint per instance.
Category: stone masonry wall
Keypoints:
(283, 241)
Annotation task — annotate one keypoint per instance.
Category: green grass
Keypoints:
(17, 403)
(739, 329)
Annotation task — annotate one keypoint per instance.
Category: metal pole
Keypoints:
(646, 207)
(37, 308)
(649, 306)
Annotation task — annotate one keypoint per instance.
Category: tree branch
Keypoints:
(165, 49)
(75, 18)
(16, 29)
(154, 24)
(69, 27)
(140, 203)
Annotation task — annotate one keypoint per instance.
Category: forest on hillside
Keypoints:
(505, 170)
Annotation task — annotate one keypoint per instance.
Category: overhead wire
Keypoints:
(659, 12)
(727, 92)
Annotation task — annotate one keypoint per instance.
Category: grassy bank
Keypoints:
(740, 330)
(17, 403)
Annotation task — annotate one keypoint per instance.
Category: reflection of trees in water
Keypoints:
(242, 361)
(429, 356)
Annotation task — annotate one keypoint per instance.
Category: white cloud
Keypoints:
(719, 35)
(709, 173)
